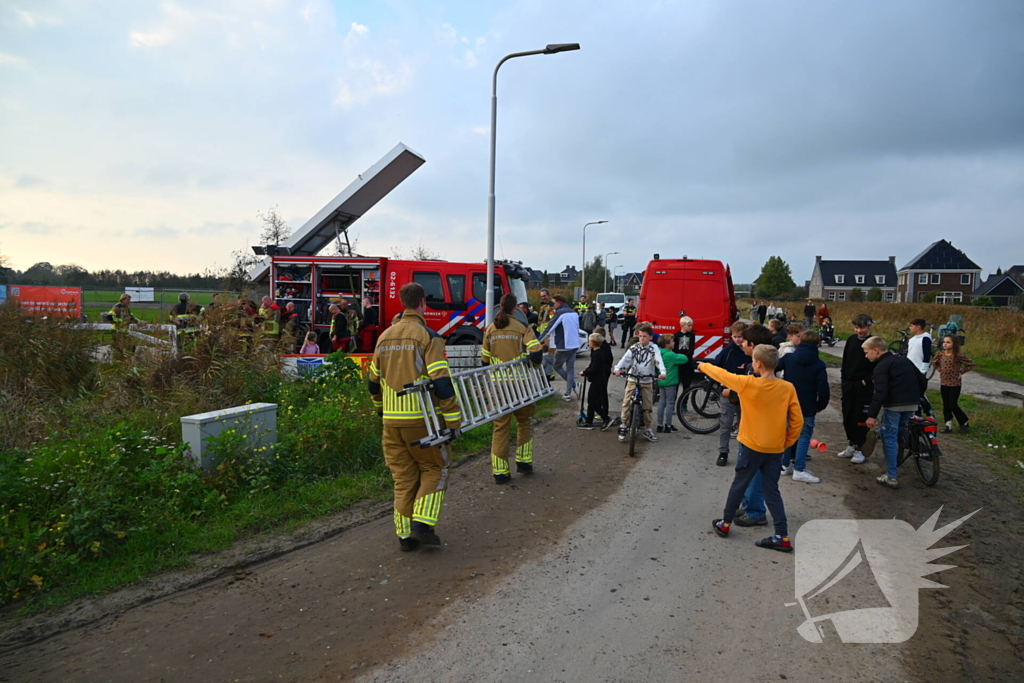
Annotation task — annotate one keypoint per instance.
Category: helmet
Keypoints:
(183, 296)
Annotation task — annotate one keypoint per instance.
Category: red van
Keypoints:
(699, 288)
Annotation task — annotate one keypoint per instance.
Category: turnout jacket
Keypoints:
(514, 341)
(407, 352)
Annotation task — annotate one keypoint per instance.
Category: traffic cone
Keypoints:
(814, 443)
(822, 446)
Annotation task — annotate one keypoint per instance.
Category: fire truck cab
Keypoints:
(699, 288)
(455, 291)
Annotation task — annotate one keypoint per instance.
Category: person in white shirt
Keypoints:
(643, 359)
(564, 331)
(771, 311)
(919, 352)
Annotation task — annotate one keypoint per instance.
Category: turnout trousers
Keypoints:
(502, 434)
(420, 474)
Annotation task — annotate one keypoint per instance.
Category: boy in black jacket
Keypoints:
(898, 387)
(597, 373)
(733, 359)
(809, 376)
(857, 389)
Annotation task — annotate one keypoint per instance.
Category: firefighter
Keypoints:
(340, 336)
(508, 339)
(353, 319)
(269, 317)
(545, 312)
(406, 352)
(121, 317)
(180, 308)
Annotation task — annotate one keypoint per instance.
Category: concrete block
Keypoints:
(256, 421)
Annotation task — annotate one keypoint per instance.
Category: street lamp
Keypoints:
(583, 273)
(605, 262)
(615, 277)
(548, 50)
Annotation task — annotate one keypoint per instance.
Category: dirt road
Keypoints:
(597, 568)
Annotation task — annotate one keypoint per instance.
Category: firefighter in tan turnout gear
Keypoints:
(508, 339)
(407, 352)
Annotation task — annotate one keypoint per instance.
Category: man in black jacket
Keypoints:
(856, 385)
(898, 387)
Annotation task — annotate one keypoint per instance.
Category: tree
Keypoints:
(236, 278)
(857, 295)
(596, 275)
(40, 274)
(417, 253)
(928, 297)
(984, 301)
(544, 280)
(776, 278)
(275, 230)
(874, 294)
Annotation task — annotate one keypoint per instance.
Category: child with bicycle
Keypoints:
(898, 388)
(670, 385)
(642, 364)
(771, 422)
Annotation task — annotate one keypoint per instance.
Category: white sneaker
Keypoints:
(846, 452)
(734, 433)
(787, 470)
(649, 434)
(857, 458)
(806, 476)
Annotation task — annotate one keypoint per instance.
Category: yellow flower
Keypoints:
(37, 580)
(42, 546)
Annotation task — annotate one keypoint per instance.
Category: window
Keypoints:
(965, 278)
(831, 296)
(889, 296)
(879, 279)
(480, 288)
(840, 279)
(922, 278)
(858, 279)
(842, 296)
(936, 278)
(457, 288)
(432, 284)
(949, 298)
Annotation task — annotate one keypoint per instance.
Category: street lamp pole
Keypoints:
(548, 50)
(615, 277)
(583, 273)
(606, 267)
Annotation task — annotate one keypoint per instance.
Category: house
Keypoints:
(1005, 289)
(941, 268)
(629, 282)
(568, 276)
(835, 280)
(535, 279)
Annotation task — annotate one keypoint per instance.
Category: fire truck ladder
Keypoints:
(484, 394)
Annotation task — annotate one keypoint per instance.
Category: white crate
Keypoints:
(256, 421)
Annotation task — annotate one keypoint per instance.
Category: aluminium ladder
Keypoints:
(484, 394)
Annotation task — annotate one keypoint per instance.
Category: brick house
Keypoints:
(835, 280)
(941, 268)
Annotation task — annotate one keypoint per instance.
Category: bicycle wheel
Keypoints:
(700, 397)
(636, 421)
(931, 372)
(903, 451)
(693, 419)
(896, 347)
(926, 457)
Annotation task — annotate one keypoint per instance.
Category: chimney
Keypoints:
(892, 260)
(817, 259)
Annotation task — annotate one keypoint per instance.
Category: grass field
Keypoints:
(169, 297)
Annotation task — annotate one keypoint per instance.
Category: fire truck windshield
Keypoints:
(517, 287)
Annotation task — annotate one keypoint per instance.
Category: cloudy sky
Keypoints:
(141, 134)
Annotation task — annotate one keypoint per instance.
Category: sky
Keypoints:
(149, 135)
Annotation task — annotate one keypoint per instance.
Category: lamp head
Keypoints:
(560, 47)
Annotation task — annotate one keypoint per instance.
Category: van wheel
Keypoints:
(462, 341)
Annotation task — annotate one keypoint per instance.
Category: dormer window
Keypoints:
(859, 279)
(840, 279)
(879, 279)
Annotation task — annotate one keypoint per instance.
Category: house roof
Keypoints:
(941, 255)
(994, 281)
(869, 269)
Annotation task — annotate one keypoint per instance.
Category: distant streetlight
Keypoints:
(615, 277)
(605, 262)
(548, 50)
(583, 273)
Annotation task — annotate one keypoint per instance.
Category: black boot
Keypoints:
(502, 478)
(424, 533)
(407, 545)
(524, 467)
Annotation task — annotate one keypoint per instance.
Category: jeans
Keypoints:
(753, 498)
(667, 405)
(730, 416)
(750, 463)
(892, 423)
(567, 358)
(797, 453)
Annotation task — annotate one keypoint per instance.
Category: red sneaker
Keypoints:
(721, 527)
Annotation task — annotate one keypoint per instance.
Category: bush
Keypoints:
(985, 302)
(875, 294)
(857, 295)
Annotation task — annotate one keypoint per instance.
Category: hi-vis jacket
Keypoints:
(544, 314)
(407, 352)
(510, 343)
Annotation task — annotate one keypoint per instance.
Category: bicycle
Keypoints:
(919, 438)
(635, 416)
(698, 408)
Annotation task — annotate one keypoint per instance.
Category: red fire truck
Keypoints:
(455, 291)
(698, 288)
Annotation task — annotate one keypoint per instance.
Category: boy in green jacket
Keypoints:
(670, 385)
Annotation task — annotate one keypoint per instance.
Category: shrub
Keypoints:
(984, 301)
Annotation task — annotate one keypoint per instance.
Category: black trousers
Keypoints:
(627, 330)
(856, 398)
(951, 405)
(597, 399)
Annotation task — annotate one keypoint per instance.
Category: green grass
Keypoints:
(830, 360)
(999, 367)
(169, 297)
(993, 424)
